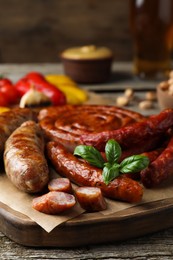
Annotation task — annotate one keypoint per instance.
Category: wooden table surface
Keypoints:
(153, 246)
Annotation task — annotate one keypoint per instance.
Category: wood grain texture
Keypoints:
(158, 246)
(37, 31)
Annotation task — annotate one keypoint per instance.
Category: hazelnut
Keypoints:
(129, 92)
(122, 101)
(145, 104)
(151, 95)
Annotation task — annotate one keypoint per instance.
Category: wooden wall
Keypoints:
(38, 30)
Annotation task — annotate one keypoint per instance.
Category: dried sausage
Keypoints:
(160, 169)
(83, 174)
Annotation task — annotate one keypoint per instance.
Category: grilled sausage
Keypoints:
(54, 202)
(83, 174)
(67, 123)
(90, 198)
(160, 169)
(24, 161)
(133, 134)
(10, 120)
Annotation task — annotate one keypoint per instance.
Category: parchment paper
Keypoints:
(21, 202)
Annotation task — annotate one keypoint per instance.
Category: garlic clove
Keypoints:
(34, 98)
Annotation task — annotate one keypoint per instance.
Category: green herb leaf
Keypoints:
(110, 172)
(90, 154)
(113, 151)
(134, 164)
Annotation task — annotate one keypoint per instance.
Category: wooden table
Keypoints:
(154, 246)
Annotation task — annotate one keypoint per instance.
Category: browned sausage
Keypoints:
(90, 198)
(83, 174)
(144, 146)
(24, 159)
(133, 134)
(54, 202)
(60, 184)
(160, 169)
(10, 120)
(66, 124)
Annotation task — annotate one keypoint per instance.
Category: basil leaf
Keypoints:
(90, 154)
(113, 151)
(134, 163)
(110, 172)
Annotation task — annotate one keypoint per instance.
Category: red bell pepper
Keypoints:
(8, 93)
(38, 81)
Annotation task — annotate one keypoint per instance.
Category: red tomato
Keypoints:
(3, 100)
(4, 81)
(10, 92)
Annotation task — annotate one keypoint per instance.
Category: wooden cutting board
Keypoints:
(89, 228)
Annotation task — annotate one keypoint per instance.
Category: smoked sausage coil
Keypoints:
(65, 124)
(160, 169)
(128, 136)
(10, 120)
(83, 174)
(24, 160)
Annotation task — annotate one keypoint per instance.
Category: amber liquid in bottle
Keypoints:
(152, 29)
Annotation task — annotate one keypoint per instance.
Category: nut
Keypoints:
(145, 104)
(129, 93)
(122, 101)
(151, 95)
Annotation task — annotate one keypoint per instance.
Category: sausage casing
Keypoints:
(160, 169)
(24, 159)
(133, 134)
(10, 120)
(83, 174)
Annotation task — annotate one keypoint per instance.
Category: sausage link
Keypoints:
(131, 135)
(24, 160)
(160, 169)
(10, 120)
(144, 146)
(83, 174)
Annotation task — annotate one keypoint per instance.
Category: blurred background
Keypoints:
(34, 31)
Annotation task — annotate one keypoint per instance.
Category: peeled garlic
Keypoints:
(33, 98)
